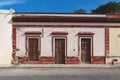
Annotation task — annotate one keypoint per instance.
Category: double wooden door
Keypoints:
(86, 50)
(33, 50)
(59, 51)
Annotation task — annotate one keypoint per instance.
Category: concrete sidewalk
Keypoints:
(60, 66)
(67, 66)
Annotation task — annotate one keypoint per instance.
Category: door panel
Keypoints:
(33, 49)
(86, 50)
(60, 51)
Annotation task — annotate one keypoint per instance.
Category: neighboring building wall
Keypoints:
(72, 41)
(5, 36)
(114, 34)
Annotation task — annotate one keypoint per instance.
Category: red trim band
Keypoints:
(59, 33)
(36, 33)
(85, 33)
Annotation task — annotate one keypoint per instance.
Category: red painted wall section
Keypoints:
(14, 41)
(113, 16)
(42, 60)
(46, 60)
(72, 60)
(107, 41)
(69, 60)
(24, 60)
(98, 60)
(49, 60)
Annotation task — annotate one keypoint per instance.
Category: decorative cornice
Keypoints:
(59, 33)
(32, 32)
(85, 33)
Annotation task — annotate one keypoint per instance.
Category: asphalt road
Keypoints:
(59, 74)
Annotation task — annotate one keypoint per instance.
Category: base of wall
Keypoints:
(68, 60)
(113, 60)
(49, 60)
(72, 60)
(46, 60)
(98, 60)
(42, 60)
(23, 60)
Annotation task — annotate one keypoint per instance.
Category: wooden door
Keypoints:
(33, 49)
(86, 50)
(59, 51)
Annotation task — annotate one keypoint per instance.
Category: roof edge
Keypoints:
(29, 14)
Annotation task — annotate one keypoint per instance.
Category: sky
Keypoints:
(63, 6)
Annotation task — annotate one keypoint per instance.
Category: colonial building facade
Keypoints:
(55, 38)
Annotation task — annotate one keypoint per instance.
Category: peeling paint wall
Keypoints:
(72, 40)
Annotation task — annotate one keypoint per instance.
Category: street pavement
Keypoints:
(59, 74)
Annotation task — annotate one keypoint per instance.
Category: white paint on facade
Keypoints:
(72, 40)
(6, 36)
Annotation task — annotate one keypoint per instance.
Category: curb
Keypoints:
(82, 66)
(86, 66)
(6, 66)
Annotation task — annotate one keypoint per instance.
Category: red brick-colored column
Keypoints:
(107, 41)
(14, 41)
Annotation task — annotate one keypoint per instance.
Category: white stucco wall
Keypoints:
(5, 36)
(72, 40)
